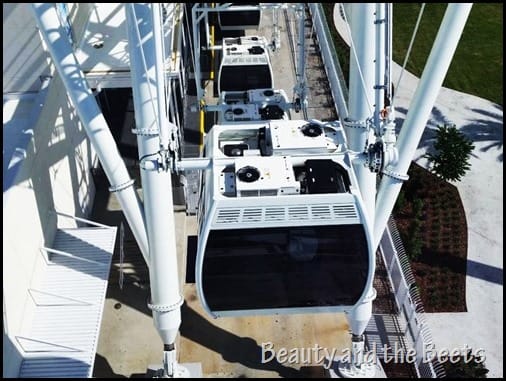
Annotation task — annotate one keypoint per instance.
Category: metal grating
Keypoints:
(69, 303)
(228, 216)
(298, 213)
(345, 211)
(252, 214)
(275, 214)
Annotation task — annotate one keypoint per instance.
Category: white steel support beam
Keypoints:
(196, 18)
(300, 90)
(380, 23)
(360, 133)
(388, 50)
(361, 95)
(425, 95)
(92, 119)
(160, 76)
(166, 299)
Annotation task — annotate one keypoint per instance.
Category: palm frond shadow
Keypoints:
(487, 126)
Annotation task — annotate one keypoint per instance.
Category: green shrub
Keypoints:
(453, 151)
(472, 367)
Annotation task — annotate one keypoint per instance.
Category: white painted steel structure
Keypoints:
(362, 121)
(166, 298)
(69, 302)
(425, 95)
(359, 130)
(92, 118)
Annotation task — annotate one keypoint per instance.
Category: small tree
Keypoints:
(451, 161)
(469, 366)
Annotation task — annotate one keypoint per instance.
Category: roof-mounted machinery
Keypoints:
(251, 105)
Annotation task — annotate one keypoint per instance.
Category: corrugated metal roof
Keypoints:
(69, 304)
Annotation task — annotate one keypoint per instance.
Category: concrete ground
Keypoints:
(481, 190)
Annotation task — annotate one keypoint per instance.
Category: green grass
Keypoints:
(476, 68)
(342, 49)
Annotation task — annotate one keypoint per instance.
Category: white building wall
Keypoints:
(24, 58)
(54, 175)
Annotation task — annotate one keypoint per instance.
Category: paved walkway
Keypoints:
(481, 191)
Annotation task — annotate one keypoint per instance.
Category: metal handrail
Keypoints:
(80, 219)
(330, 59)
(413, 301)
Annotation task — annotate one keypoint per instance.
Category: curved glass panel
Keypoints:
(285, 267)
(239, 19)
(245, 77)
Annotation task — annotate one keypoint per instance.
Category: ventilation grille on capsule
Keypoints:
(336, 212)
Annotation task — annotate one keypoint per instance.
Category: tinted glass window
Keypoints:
(269, 268)
(242, 78)
(239, 18)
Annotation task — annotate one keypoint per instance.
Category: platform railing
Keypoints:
(409, 302)
(330, 59)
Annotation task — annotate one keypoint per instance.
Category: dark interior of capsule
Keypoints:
(239, 19)
(285, 267)
(245, 77)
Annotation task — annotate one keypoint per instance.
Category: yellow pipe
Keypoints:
(212, 51)
(202, 113)
(201, 129)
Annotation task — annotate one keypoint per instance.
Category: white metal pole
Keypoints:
(92, 119)
(361, 96)
(361, 88)
(388, 50)
(425, 95)
(172, 12)
(359, 135)
(157, 185)
(358, 319)
(300, 87)
(276, 33)
(160, 76)
(196, 18)
(379, 93)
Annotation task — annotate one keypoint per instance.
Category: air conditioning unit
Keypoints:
(265, 176)
(253, 105)
(240, 113)
(299, 137)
